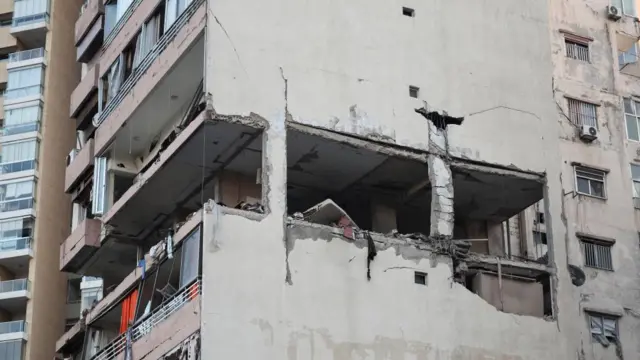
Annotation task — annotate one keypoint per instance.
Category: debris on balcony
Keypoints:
(329, 213)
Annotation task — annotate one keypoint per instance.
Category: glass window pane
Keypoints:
(635, 172)
(583, 186)
(610, 328)
(628, 106)
(632, 128)
(597, 188)
(596, 325)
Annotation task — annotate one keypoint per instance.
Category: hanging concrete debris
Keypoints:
(439, 120)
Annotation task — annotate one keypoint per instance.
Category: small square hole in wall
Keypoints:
(408, 12)
(420, 278)
(414, 91)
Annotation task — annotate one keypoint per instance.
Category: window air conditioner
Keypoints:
(588, 133)
(613, 13)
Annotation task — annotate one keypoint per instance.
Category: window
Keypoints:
(539, 238)
(414, 91)
(24, 82)
(597, 254)
(632, 117)
(21, 120)
(16, 234)
(16, 196)
(577, 50)
(628, 57)
(148, 37)
(590, 182)
(408, 12)
(635, 178)
(174, 9)
(73, 291)
(90, 297)
(29, 11)
(603, 327)
(540, 218)
(627, 6)
(420, 278)
(110, 16)
(18, 156)
(583, 113)
(11, 350)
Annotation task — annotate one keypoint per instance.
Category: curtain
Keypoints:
(116, 76)
(128, 310)
(147, 38)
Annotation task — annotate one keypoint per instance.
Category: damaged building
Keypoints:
(342, 181)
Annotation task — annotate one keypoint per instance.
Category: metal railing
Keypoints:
(14, 285)
(16, 166)
(17, 93)
(27, 55)
(20, 128)
(146, 324)
(13, 327)
(15, 244)
(16, 204)
(30, 19)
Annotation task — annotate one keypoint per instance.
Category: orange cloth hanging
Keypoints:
(128, 310)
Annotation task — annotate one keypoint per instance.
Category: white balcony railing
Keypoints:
(15, 244)
(146, 324)
(14, 285)
(13, 327)
(27, 55)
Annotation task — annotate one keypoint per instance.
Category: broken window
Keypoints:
(583, 113)
(514, 289)
(590, 182)
(628, 57)
(597, 254)
(576, 49)
(110, 84)
(99, 193)
(604, 328)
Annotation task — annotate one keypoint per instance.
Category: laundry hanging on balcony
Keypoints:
(128, 311)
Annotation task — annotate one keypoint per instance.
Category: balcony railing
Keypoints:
(27, 55)
(13, 327)
(14, 285)
(15, 244)
(145, 325)
(30, 11)
(15, 166)
(11, 94)
(16, 204)
(20, 128)
(30, 19)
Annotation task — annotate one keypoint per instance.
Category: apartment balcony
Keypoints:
(7, 41)
(78, 167)
(27, 58)
(15, 253)
(31, 21)
(6, 6)
(73, 337)
(83, 242)
(168, 74)
(13, 330)
(83, 92)
(89, 30)
(14, 295)
(162, 330)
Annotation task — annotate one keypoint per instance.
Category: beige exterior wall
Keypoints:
(46, 311)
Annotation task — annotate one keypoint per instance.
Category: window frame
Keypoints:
(577, 105)
(603, 316)
(582, 168)
(599, 263)
(575, 42)
(633, 101)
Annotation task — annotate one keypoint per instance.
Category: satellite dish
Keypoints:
(577, 275)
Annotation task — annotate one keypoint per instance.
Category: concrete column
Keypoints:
(441, 185)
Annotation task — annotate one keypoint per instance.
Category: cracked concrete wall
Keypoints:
(344, 71)
(329, 310)
(348, 67)
(601, 82)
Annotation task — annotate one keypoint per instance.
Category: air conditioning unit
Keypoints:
(72, 155)
(613, 13)
(588, 133)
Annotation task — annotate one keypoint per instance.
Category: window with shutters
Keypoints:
(583, 113)
(604, 328)
(590, 182)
